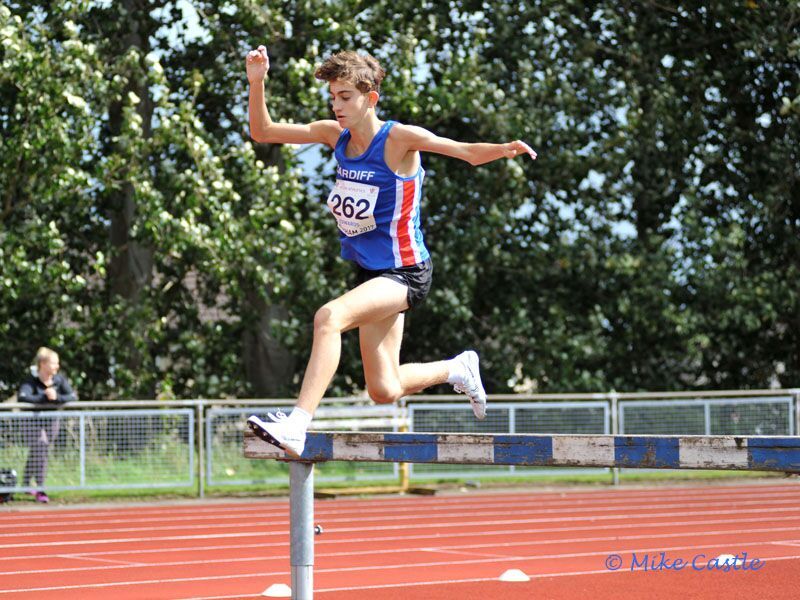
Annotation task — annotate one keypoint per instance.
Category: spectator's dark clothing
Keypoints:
(41, 432)
(32, 390)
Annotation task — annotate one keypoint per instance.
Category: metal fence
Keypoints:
(99, 449)
(706, 416)
(198, 444)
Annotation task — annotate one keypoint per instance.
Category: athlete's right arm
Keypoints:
(263, 129)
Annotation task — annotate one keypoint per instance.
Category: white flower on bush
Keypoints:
(74, 100)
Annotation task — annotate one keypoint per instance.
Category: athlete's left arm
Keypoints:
(422, 140)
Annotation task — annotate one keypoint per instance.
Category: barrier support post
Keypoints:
(403, 467)
(301, 515)
(614, 397)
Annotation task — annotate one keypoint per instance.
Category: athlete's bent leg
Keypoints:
(388, 380)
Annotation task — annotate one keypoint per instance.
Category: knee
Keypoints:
(384, 394)
(327, 318)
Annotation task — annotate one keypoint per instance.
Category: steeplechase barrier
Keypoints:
(738, 453)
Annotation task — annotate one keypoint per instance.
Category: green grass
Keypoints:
(163, 461)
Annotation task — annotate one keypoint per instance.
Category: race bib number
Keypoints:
(353, 205)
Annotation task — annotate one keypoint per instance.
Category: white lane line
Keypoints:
(450, 549)
(414, 506)
(111, 584)
(479, 579)
(577, 496)
(624, 492)
(411, 520)
(392, 567)
(562, 506)
(457, 552)
(224, 597)
(120, 567)
(624, 496)
(397, 585)
(143, 539)
(590, 520)
(451, 535)
(117, 564)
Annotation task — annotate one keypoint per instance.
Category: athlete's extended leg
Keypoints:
(372, 301)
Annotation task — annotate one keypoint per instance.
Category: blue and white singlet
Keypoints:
(376, 210)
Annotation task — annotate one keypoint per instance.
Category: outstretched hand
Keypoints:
(257, 64)
(517, 147)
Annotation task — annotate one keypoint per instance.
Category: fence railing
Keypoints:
(99, 449)
(197, 444)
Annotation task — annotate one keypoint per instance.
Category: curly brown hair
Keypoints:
(362, 70)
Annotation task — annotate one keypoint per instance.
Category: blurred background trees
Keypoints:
(652, 246)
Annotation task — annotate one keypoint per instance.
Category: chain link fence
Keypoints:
(707, 416)
(110, 449)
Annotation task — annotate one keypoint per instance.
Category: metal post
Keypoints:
(200, 416)
(403, 466)
(614, 431)
(796, 429)
(512, 428)
(82, 442)
(301, 519)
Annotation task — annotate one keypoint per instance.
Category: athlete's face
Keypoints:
(349, 104)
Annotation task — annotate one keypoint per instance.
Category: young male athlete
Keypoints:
(375, 201)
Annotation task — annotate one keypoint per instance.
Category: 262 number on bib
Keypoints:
(346, 207)
(353, 206)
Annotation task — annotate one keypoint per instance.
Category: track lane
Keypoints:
(560, 531)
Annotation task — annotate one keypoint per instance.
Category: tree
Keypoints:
(653, 245)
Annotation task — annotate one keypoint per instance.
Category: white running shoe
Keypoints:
(277, 417)
(282, 432)
(471, 385)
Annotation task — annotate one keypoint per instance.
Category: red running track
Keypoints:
(409, 548)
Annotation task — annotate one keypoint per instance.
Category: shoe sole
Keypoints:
(476, 375)
(478, 409)
(269, 438)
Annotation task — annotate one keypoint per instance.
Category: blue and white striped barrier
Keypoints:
(762, 453)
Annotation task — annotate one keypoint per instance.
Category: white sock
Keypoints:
(456, 371)
(300, 417)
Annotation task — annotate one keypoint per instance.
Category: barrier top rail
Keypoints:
(742, 453)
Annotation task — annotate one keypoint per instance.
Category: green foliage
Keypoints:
(653, 245)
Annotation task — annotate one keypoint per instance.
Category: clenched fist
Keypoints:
(257, 64)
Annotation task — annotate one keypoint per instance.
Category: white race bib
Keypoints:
(353, 205)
